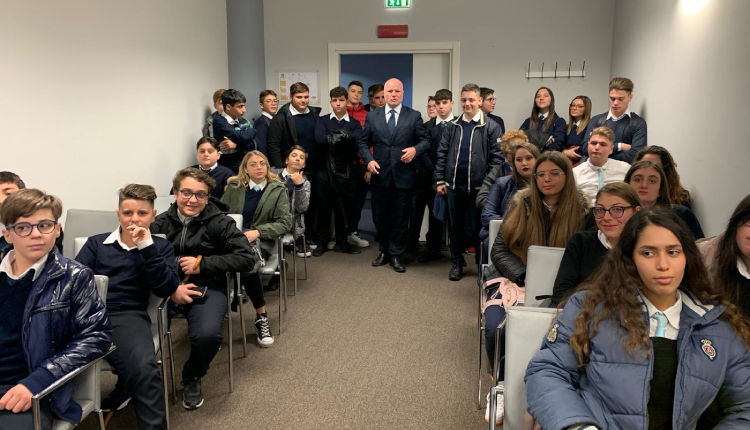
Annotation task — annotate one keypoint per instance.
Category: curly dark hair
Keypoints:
(613, 289)
(725, 265)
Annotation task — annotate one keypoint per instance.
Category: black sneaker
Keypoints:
(263, 328)
(116, 401)
(192, 397)
(345, 248)
(273, 284)
(457, 272)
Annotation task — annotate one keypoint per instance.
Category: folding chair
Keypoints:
(85, 223)
(494, 229)
(542, 263)
(525, 330)
(291, 239)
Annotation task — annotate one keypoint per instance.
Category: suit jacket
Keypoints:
(387, 147)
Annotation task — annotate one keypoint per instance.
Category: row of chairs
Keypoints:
(82, 223)
(524, 325)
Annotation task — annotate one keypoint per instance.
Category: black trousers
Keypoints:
(464, 220)
(205, 320)
(338, 199)
(24, 420)
(424, 196)
(391, 217)
(360, 195)
(135, 365)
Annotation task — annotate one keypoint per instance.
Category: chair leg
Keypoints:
(304, 261)
(171, 366)
(100, 416)
(242, 318)
(494, 391)
(163, 363)
(294, 267)
(229, 346)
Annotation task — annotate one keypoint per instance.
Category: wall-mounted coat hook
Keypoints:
(541, 74)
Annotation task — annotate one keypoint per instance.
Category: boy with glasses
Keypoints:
(269, 104)
(138, 265)
(208, 245)
(488, 106)
(52, 320)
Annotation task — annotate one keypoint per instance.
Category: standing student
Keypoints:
(488, 106)
(294, 124)
(52, 320)
(599, 170)
(545, 129)
(431, 107)
(424, 191)
(615, 204)
(137, 265)
(728, 257)
(660, 155)
(650, 182)
(232, 131)
(354, 106)
(648, 343)
(578, 120)
(336, 138)
(397, 135)
(468, 150)
(375, 97)
(208, 245)
(269, 104)
(208, 126)
(630, 129)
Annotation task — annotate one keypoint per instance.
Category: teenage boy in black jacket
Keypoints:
(207, 244)
(293, 124)
(232, 131)
(137, 265)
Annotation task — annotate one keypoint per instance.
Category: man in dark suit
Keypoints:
(397, 136)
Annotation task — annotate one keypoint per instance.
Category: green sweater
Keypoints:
(272, 217)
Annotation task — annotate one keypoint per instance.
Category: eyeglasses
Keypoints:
(577, 106)
(200, 195)
(274, 101)
(615, 211)
(552, 173)
(24, 229)
(490, 99)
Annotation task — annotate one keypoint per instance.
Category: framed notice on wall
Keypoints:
(286, 79)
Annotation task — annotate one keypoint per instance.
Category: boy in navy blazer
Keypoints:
(232, 131)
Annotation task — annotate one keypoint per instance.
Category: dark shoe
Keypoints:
(317, 252)
(346, 248)
(192, 397)
(116, 401)
(263, 329)
(428, 256)
(235, 302)
(397, 265)
(381, 260)
(457, 272)
(273, 284)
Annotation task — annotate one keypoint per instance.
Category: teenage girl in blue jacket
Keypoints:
(608, 362)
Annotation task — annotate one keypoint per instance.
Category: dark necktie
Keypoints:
(392, 121)
(541, 118)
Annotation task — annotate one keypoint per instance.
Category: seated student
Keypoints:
(232, 131)
(208, 245)
(523, 157)
(578, 120)
(727, 257)
(269, 104)
(137, 265)
(298, 189)
(208, 156)
(652, 187)
(545, 129)
(615, 204)
(599, 170)
(508, 142)
(208, 126)
(660, 156)
(261, 198)
(647, 343)
(52, 320)
(547, 213)
(336, 137)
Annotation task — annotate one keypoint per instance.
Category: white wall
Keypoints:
(433, 71)
(498, 39)
(690, 83)
(99, 94)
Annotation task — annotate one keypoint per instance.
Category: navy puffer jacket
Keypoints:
(613, 391)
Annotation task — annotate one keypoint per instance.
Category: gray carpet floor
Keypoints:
(361, 347)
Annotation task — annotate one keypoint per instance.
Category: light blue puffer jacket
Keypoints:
(613, 391)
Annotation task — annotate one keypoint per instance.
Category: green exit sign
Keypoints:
(397, 4)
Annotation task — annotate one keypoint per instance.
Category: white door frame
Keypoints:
(451, 48)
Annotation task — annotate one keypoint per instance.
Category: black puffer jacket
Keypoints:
(212, 234)
(65, 326)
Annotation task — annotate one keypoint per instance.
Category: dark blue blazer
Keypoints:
(387, 148)
(261, 132)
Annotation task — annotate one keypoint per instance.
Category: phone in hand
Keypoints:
(202, 290)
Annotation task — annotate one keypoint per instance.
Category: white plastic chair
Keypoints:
(542, 263)
(85, 223)
(525, 328)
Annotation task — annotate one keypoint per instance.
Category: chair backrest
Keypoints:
(101, 286)
(495, 226)
(524, 331)
(78, 244)
(84, 223)
(237, 220)
(542, 263)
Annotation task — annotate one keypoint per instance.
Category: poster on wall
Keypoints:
(286, 79)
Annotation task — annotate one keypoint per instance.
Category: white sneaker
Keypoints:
(499, 411)
(331, 245)
(355, 240)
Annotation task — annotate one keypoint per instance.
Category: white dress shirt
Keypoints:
(388, 113)
(114, 237)
(673, 317)
(587, 175)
